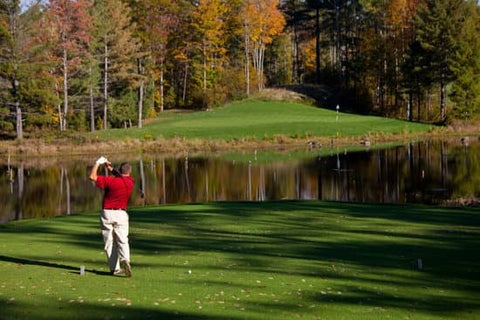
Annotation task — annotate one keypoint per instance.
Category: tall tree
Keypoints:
(317, 5)
(466, 65)
(10, 36)
(156, 20)
(262, 21)
(438, 24)
(70, 23)
(297, 22)
(22, 62)
(207, 22)
(117, 50)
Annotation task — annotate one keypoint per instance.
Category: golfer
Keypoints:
(114, 217)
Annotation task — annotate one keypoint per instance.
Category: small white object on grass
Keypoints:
(189, 271)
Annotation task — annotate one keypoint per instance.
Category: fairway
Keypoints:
(273, 260)
(259, 119)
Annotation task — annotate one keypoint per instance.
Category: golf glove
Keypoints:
(101, 160)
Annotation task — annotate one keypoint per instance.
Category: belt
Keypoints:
(114, 209)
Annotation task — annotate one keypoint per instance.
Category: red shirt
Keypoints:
(117, 191)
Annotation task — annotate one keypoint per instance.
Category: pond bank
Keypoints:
(83, 145)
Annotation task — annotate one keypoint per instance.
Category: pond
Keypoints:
(429, 172)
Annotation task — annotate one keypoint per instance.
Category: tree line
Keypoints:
(88, 65)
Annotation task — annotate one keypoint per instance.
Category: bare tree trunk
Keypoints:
(63, 125)
(443, 104)
(19, 124)
(13, 15)
(141, 89)
(60, 115)
(162, 89)
(105, 88)
(258, 65)
(18, 110)
(140, 103)
(92, 106)
(59, 105)
(296, 62)
(295, 68)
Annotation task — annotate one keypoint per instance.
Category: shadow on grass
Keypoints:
(87, 311)
(376, 244)
(49, 265)
(308, 238)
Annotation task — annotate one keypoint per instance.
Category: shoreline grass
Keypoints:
(268, 260)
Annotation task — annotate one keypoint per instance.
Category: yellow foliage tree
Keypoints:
(208, 21)
(262, 20)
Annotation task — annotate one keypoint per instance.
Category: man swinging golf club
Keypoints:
(114, 217)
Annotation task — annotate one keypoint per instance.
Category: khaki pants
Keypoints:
(115, 237)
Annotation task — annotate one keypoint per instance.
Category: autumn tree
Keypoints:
(22, 61)
(207, 23)
(70, 30)
(262, 21)
(156, 20)
(11, 47)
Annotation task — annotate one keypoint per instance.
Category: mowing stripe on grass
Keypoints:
(270, 260)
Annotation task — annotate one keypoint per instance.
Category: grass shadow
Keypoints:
(76, 270)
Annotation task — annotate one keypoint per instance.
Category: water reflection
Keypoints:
(423, 172)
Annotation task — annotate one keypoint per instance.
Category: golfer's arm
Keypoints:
(93, 173)
(112, 170)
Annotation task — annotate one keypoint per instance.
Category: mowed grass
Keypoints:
(273, 260)
(260, 119)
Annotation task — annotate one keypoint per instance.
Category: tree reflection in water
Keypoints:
(425, 172)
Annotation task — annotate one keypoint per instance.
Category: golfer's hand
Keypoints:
(101, 160)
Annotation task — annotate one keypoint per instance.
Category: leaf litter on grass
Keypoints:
(331, 259)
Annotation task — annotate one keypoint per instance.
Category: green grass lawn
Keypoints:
(261, 119)
(272, 260)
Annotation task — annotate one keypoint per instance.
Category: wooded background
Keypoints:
(87, 65)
